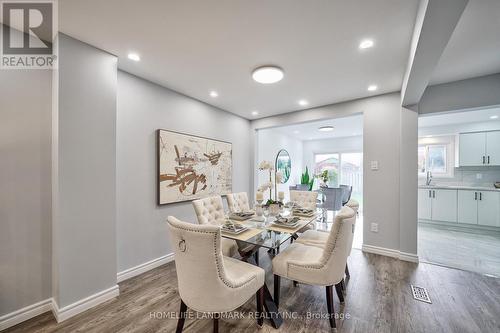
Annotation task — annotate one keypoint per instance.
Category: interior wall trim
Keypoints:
(411, 257)
(84, 304)
(144, 267)
(26, 313)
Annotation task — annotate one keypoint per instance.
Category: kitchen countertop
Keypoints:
(459, 187)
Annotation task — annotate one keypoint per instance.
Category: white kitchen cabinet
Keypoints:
(493, 148)
(444, 205)
(472, 149)
(488, 208)
(424, 203)
(467, 206)
(479, 148)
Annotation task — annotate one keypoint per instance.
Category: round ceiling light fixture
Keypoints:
(267, 74)
(325, 128)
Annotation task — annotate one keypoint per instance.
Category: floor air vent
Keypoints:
(420, 294)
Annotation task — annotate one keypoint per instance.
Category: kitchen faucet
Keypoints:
(429, 178)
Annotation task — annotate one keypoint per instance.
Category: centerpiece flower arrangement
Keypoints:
(271, 184)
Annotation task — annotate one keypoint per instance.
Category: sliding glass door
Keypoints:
(342, 169)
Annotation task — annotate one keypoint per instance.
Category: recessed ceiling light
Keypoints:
(255, 113)
(267, 74)
(303, 102)
(134, 56)
(372, 87)
(325, 128)
(366, 44)
(494, 117)
(296, 132)
(214, 93)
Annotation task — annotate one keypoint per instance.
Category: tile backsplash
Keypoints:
(469, 176)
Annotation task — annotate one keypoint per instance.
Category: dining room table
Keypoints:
(265, 232)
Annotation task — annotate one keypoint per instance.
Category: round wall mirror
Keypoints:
(284, 164)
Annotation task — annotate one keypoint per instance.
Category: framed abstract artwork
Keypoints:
(192, 167)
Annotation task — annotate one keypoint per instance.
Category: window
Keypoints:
(329, 162)
(432, 158)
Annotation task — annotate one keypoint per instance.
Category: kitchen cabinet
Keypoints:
(444, 205)
(437, 204)
(479, 207)
(493, 148)
(467, 207)
(479, 148)
(472, 148)
(488, 209)
(424, 203)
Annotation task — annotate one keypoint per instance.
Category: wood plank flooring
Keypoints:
(378, 300)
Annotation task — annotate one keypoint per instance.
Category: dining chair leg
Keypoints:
(277, 282)
(342, 286)
(260, 305)
(182, 317)
(347, 271)
(216, 323)
(329, 304)
(340, 294)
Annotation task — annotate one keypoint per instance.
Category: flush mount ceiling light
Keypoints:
(366, 44)
(325, 128)
(214, 94)
(267, 74)
(255, 113)
(372, 87)
(303, 102)
(494, 117)
(134, 56)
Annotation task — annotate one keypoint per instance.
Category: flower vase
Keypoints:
(274, 209)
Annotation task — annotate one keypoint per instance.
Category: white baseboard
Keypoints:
(142, 268)
(390, 253)
(71, 310)
(25, 313)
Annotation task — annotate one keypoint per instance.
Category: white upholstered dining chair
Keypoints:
(323, 266)
(211, 211)
(305, 199)
(208, 281)
(319, 237)
(238, 202)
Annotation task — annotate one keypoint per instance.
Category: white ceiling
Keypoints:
(194, 47)
(464, 117)
(474, 47)
(343, 127)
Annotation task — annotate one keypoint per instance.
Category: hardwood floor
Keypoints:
(378, 300)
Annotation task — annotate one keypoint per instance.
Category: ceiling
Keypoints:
(464, 117)
(343, 127)
(197, 46)
(474, 47)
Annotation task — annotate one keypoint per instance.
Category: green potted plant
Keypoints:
(306, 181)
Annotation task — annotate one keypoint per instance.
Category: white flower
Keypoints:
(266, 165)
(266, 186)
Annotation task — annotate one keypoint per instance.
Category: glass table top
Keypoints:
(266, 234)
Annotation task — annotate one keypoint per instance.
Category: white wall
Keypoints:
(84, 196)
(383, 129)
(25, 188)
(144, 107)
(334, 145)
(270, 142)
